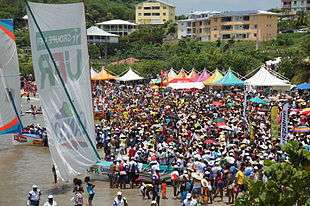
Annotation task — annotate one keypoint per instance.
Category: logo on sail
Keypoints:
(69, 133)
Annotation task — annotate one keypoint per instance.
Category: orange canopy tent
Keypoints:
(103, 76)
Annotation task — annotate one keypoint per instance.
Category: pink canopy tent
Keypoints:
(203, 76)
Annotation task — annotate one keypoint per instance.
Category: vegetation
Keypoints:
(151, 45)
(288, 182)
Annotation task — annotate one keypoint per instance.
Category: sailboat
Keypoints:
(10, 101)
(9, 81)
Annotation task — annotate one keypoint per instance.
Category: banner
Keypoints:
(275, 126)
(63, 27)
(284, 124)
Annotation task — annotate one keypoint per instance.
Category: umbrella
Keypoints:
(258, 100)
(305, 111)
(303, 86)
(210, 141)
(217, 104)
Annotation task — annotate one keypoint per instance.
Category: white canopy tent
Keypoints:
(130, 76)
(265, 78)
(93, 73)
(187, 85)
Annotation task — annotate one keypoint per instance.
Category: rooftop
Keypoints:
(95, 31)
(159, 1)
(116, 22)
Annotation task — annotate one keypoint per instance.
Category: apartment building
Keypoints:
(154, 12)
(237, 25)
(118, 27)
(296, 5)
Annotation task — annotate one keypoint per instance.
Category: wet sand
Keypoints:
(23, 166)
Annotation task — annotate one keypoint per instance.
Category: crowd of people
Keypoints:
(210, 140)
(203, 135)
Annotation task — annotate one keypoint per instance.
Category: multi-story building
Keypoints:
(118, 27)
(154, 12)
(237, 25)
(296, 5)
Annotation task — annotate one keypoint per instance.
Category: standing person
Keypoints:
(175, 182)
(78, 197)
(120, 200)
(164, 190)
(189, 201)
(230, 186)
(50, 201)
(240, 181)
(219, 181)
(90, 190)
(34, 196)
(54, 174)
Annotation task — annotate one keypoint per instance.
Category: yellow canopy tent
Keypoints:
(103, 76)
(182, 74)
(216, 76)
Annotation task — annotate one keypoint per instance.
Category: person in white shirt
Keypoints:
(34, 196)
(189, 201)
(120, 200)
(50, 201)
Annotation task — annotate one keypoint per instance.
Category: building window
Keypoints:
(164, 14)
(200, 30)
(139, 7)
(226, 19)
(164, 19)
(255, 35)
(147, 8)
(215, 35)
(164, 7)
(155, 7)
(200, 23)
(155, 14)
(215, 19)
(227, 27)
(246, 26)
(246, 18)
(147, 14)
(255, 26)
(139, 14)
(215, 28)
(226, 36)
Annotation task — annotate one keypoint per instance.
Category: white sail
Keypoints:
(9, 80)
(64, 29)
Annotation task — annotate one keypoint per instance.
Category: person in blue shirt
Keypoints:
(90, 190)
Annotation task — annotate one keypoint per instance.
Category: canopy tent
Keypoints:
(93, 73)
(265, 78)
(203, 76)
(130, 76)
(171, 75)
(103, 75)
(188, 85)
(216, 76)
(182, 74)
(258, 100)
(193, 75)
(230, 79)
(303, 86)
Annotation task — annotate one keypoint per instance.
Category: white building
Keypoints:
(118, 27)
(97, 35)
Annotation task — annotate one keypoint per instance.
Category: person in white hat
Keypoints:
(50, 201)
(34, 196)
(189, 201)
(120, 200)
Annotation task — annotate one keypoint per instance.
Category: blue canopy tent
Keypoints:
(230, 79)
(258, 100)
(303, 86)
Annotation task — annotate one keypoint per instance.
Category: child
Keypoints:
(164, 190)
(145, 190)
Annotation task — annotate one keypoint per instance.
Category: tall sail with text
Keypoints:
(67, 108)
(9, 80)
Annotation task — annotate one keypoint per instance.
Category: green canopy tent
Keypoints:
(230, 79)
